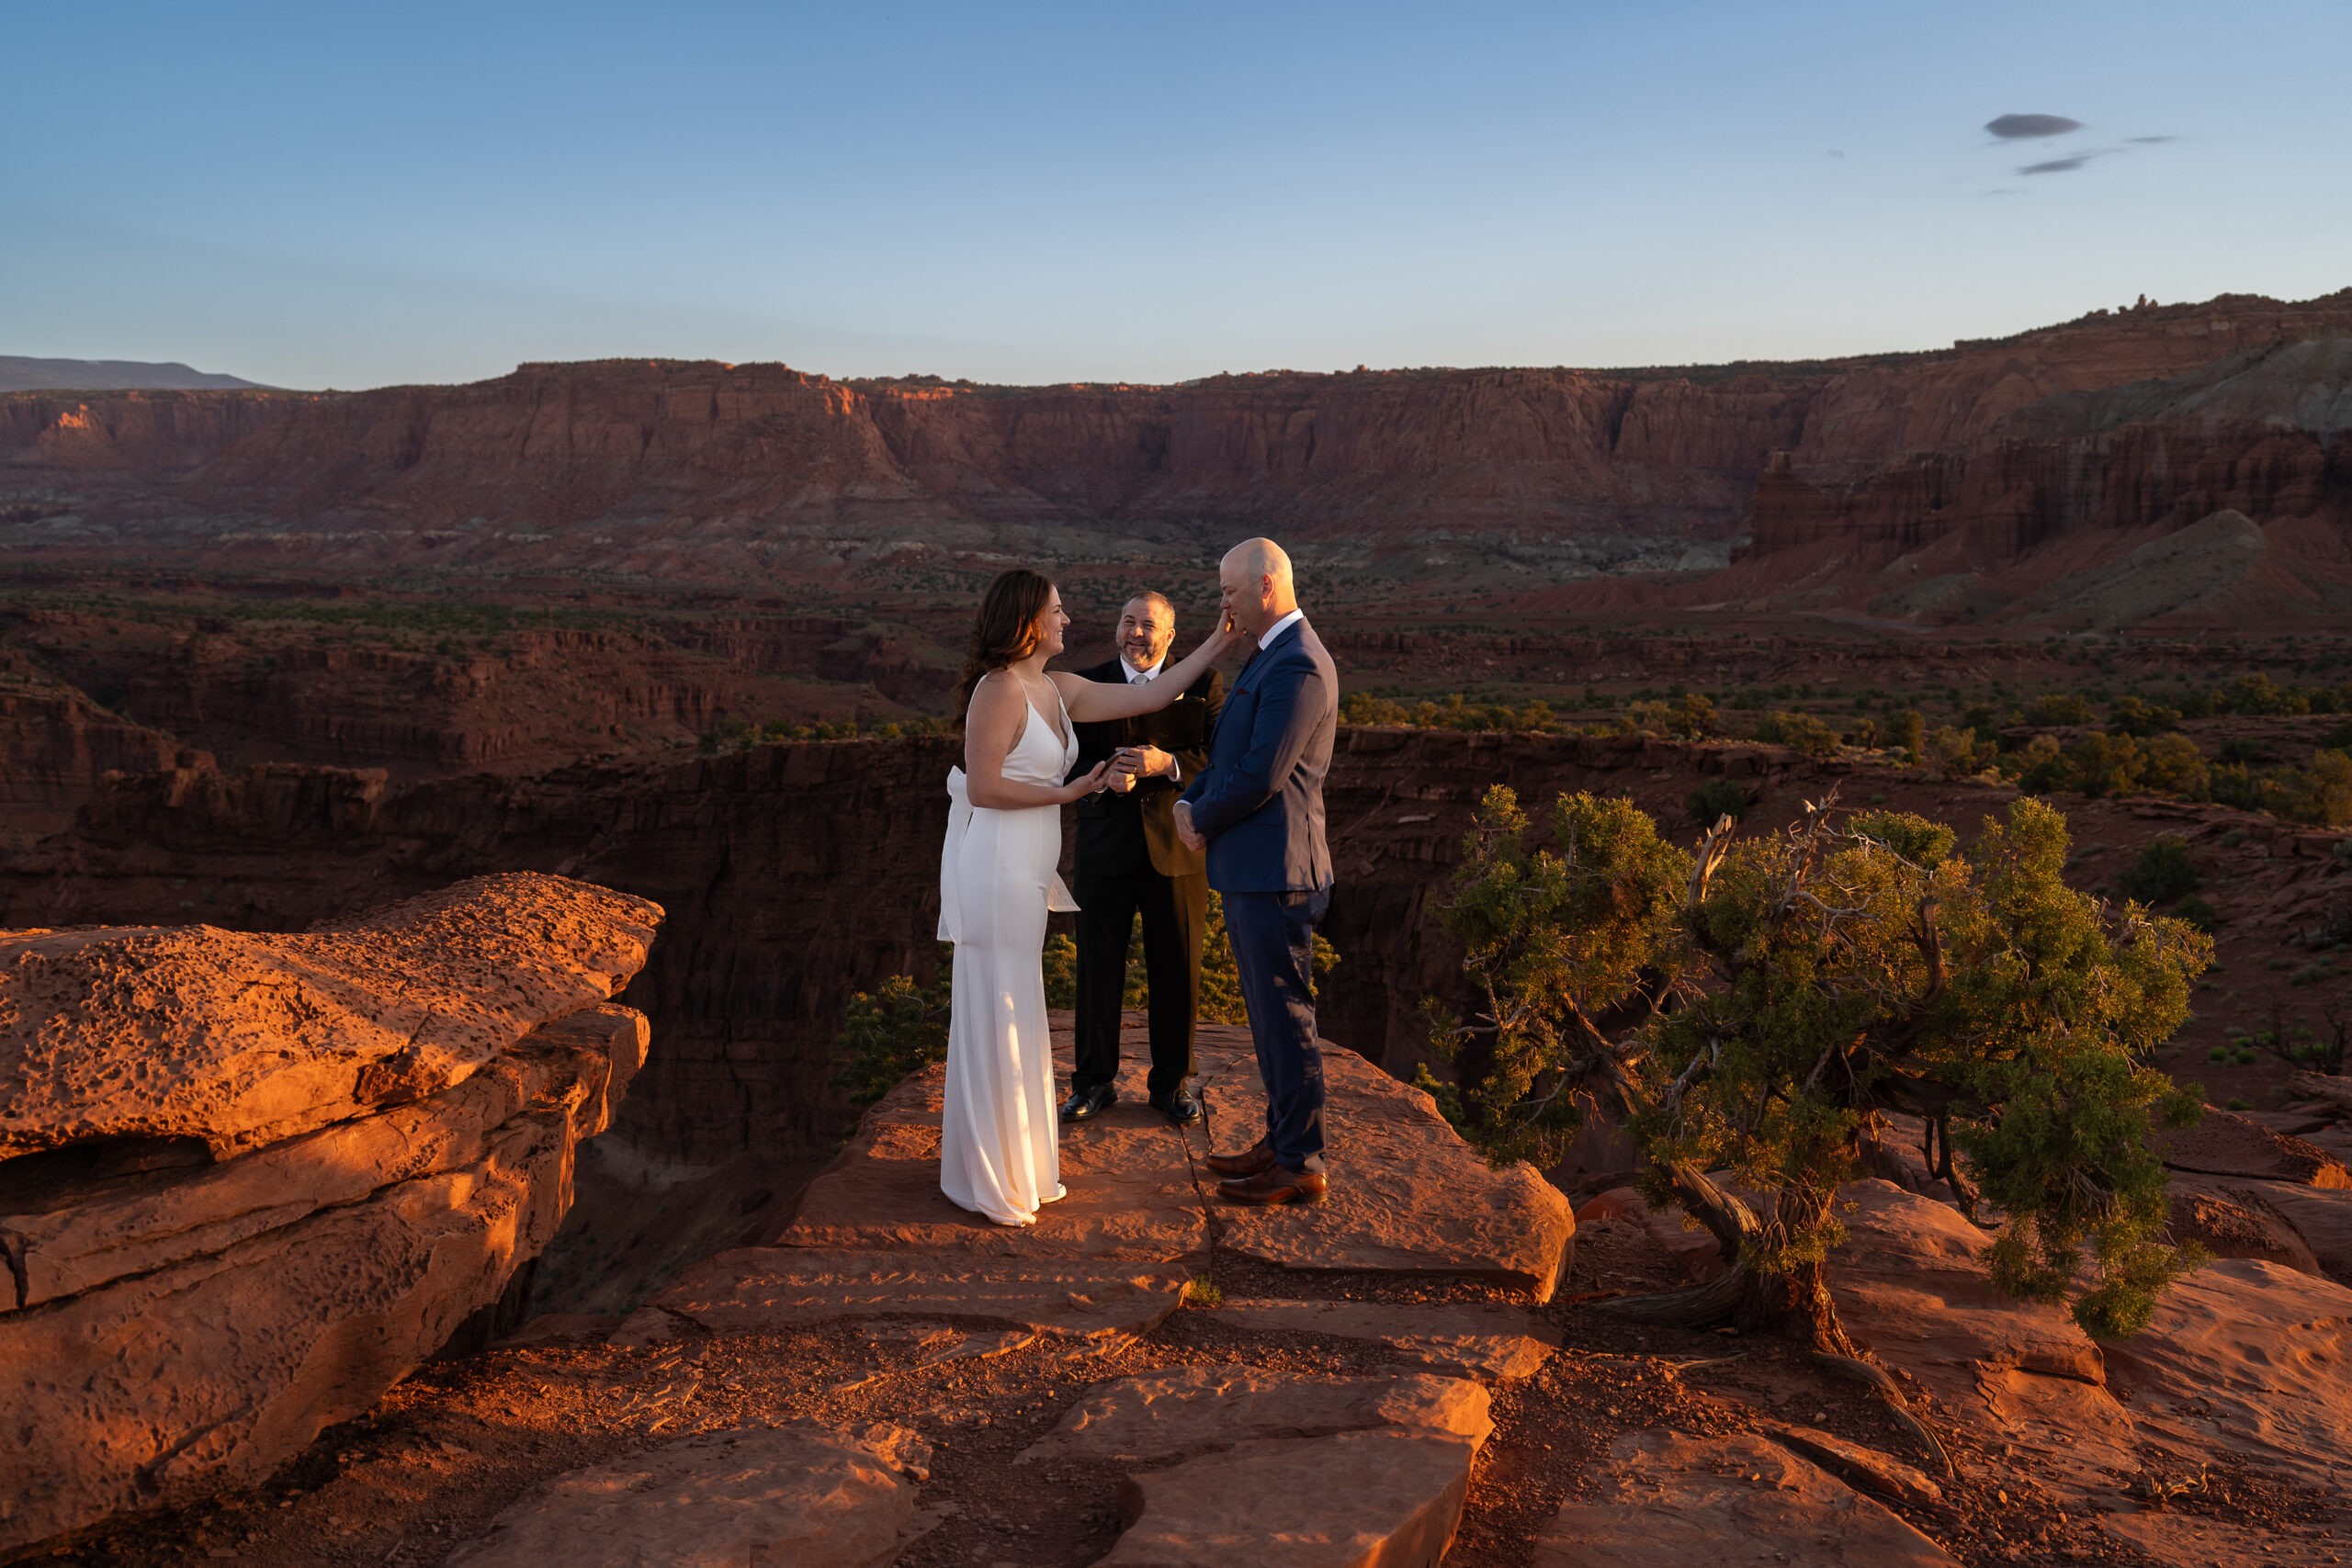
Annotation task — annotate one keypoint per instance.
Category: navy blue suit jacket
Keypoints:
(1260, 805)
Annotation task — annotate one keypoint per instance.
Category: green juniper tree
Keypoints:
(1747, 1008)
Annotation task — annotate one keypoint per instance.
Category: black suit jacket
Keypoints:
(1120, 834)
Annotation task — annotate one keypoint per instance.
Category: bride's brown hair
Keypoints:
(1005, 631)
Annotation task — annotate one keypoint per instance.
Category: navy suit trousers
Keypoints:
(1273, 949)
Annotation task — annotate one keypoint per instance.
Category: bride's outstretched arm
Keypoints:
(1090, 702)
(991, 729)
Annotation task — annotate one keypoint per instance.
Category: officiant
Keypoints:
(1130, 863)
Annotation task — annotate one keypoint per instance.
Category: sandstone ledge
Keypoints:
(876, 1237)
(175, 1329)
(236, 1039)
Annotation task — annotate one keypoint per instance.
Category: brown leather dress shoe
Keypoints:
(1249, 1162)
(1274, 1185)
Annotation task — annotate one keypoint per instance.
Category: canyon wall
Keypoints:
(670, 471)
(54, 744)
(2265, 429)
(792, 875)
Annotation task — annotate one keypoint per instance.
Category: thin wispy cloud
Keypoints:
(2058, 165)
(2010, 128)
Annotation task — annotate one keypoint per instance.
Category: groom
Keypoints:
(1258, 811)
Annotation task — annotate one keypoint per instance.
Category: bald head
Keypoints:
(1255, 582)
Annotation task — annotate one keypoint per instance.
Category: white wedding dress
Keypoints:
(1000, 1144)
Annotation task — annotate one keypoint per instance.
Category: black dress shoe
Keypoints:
(1086, 1104)
(1178, 1106)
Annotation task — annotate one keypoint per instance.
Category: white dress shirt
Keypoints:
(1278, 627)
(1144, 678)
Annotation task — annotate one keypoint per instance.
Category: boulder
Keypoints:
(2321, 1218)
(234, 1040)
(1492, 1343)
(1167, 1415)
(1390, 1497)
(1407, 1195)
(753, 1289)
(2232, 1219)
(131, 1226)
(176, 1328)
(799, 1493)
(1715, 1502)
(1909, 1282)
(2222, 1143)
(2249, 1358)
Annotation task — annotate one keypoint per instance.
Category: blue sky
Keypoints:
(355, 194)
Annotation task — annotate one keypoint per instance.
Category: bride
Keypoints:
(1000, 1151)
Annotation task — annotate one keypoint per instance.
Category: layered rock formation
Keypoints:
(54, 744)
(1500, 482)
(246, 1182)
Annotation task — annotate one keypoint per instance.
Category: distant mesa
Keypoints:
(2031, 127)
(21, 374)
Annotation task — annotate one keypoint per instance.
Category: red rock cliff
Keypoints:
(681, 471)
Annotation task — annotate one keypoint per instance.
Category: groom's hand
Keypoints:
(1185, 832)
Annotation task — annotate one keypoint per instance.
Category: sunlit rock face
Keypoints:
(250, 1181)
(1509, 481)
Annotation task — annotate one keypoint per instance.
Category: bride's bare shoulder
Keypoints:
(995, 697)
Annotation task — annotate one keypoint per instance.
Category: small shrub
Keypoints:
(2258, 694)
(2058, 707)
(2173, 765)
(1799, 732)
(2106, 764)
(2159, 873)
(2233, 784)
(1448, 1097)
(2245, 1058)
(1715, 798)
(2218, 1054)
(2236, 1103)
(1200, 1291)
(1957, 753)
(1908, 729)
(897, 1028)
(2042, 766)
(1061, 971)
(2195, 911)
(2133, 717)
(2320, 794)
